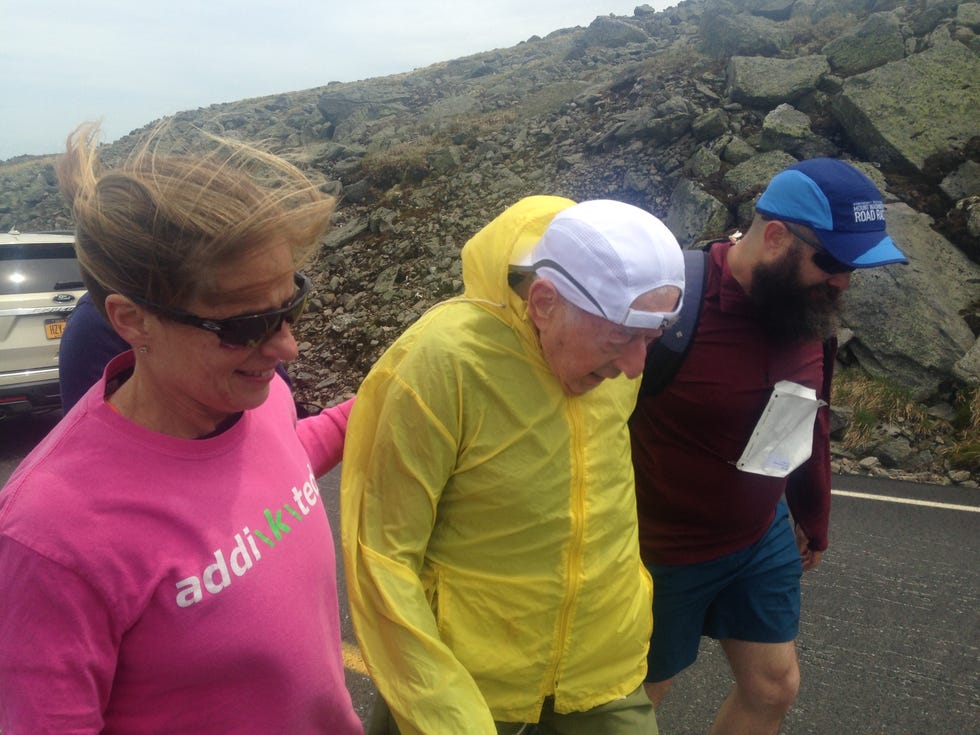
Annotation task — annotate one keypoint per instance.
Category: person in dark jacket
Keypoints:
(714, 528)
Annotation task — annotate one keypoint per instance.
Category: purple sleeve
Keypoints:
(323, 436)
(62, 686)
(808, 488)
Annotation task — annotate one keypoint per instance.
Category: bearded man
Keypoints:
(715, 531)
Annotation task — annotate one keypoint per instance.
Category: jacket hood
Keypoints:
(507, 239)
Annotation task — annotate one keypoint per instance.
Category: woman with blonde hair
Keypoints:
(165, 559)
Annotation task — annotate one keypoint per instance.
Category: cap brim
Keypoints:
(861, 249)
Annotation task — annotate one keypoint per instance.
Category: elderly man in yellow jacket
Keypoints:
(488, 511)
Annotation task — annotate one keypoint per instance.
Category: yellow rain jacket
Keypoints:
(489, 519)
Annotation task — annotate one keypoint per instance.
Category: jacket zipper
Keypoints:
(577, 512)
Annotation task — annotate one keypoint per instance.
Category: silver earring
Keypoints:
(143, 349)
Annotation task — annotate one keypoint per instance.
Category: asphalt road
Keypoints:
(890, 637)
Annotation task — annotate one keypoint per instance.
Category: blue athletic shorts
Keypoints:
(750, 595)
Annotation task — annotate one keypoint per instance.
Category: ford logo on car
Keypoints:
(63, 298)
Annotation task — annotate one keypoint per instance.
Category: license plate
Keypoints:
(53, 328)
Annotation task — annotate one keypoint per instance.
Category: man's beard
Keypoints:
(789, 311)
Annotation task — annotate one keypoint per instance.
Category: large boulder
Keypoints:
(343, 106)
(906, 319)
(725, 31)
(611, 32)
(693, 214)
(877, 41)
(764, 81)
(785, 129)
(906, 112)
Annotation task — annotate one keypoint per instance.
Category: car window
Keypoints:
(38, 268)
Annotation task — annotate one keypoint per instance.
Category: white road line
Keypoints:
(907, 501)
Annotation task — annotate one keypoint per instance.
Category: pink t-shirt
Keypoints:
(152, 584)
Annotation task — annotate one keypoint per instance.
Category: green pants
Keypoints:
(632, 715)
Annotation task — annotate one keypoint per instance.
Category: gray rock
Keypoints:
(894, 452)
(726, 32)
(358, 191)
(667, 121)
(840, 419)
(786, 129)
(963, 182)
(904, 325)
(942, 411)
(737, 150)
(874, 42)
(693, 214)
(343, 106)
(906, 112)
(750, 177)
(611, 32)
(763, 81)
(444, 160)
(967, 368)
(972, 207)
(711, 124)
(968, 14)
(772, 9)
(704, 163)
(338, 237)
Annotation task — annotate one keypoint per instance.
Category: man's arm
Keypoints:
(808, 487)
(809, 557)
(398, 457)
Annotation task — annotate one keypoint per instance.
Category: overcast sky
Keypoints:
(129, 62)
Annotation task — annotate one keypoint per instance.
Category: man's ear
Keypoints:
(127, 318)
(542, 302)
(776, 241)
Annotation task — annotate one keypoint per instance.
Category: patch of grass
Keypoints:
(407, 162)
(466, 129)
(963, 452)
(875, 401)
(399, 164)
(964, 455)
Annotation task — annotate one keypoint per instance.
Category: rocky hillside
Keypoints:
(686, 112)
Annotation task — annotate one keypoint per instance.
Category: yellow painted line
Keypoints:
(907, 501)
(352, 658)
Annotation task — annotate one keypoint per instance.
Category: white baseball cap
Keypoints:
(602, 255)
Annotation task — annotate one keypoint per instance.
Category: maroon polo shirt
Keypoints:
(693, 503)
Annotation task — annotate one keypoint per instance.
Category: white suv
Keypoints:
(40, 284)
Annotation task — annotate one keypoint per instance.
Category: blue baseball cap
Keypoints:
(840, 204)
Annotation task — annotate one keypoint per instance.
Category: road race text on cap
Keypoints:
(840, 204)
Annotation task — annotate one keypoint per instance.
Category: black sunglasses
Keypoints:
(247, 330)
(822, 259)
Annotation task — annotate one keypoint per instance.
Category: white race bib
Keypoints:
(783, 437)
